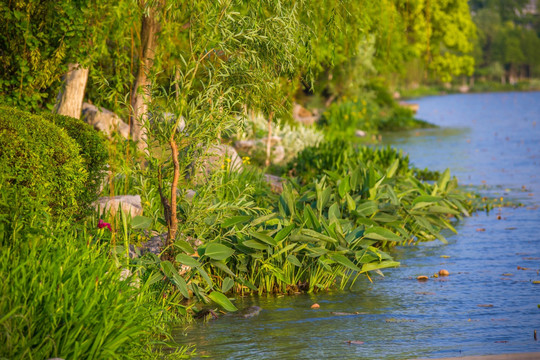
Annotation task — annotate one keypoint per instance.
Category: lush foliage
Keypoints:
(339, 156)
(93, 150)
(39, 162)
(65, 295)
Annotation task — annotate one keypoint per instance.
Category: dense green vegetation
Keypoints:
(189, 77)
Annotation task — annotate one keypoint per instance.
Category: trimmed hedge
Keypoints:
(92, 149)
(40, 164)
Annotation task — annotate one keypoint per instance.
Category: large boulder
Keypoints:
(129, 204)
(104, 120)
(304, 116)
(216, 157)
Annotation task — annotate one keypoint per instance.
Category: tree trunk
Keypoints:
(269, 141)
(141, 93)
(70, 98)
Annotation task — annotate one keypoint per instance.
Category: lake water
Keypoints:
(486, 306)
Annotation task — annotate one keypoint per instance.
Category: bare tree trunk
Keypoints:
(141, 92)
(70, 98)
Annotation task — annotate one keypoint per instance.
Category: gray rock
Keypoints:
(215, 157)
(304, 116)
(104, 120)
(278, 154)
(250, 312)
(360, 133)
(276, 183)
(245, 145)
(129, 204)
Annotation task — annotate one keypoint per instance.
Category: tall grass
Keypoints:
(64, 295)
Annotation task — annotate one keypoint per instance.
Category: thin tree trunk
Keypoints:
(141, 92)
(70, 98)
(269, 142)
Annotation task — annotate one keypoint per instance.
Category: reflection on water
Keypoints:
(485, 306)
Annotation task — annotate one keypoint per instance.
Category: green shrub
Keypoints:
(40, 163)
(92, 149)
(340, 156)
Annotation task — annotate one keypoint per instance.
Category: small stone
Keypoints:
(315, 306)
(443, 272)
(422, 278)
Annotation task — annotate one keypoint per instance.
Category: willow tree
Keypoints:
(228, 55)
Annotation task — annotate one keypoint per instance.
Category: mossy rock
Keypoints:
(40, 166)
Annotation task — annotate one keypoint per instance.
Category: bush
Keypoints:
(92, 149)
(340, 156)
(40, 163)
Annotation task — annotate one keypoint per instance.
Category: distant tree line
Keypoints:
(508, 39)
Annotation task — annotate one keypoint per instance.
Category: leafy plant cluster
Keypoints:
(65, 294)
(340, 155)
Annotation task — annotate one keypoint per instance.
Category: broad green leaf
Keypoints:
(333, 212)
(141, 222)
(426, 199)
(235, 220)
(351, 204)
(310, 216)
(218, 251)
(294, 260)
(171, 273)
(263, 237)
(222, 267)
(443, 180)
(205, 276)
(381, 265)
(392, 169)
(187, 260)
(343, 187)
(222, 301)
(318, 236)
(227, 284)
(184, 246)
(380, 233)
(283, 233)
(343, 260)
(255, 245)
(367, 208)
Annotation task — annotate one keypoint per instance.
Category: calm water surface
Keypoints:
(485, 306)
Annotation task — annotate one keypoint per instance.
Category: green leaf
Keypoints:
(255, 245)
(263, 237)
(217, 251)
(343, 187)
(263, 219)
(227, 284)
(184, 246)
(235, 220)
(350, 202)
(283, 233)
(222, 267)
(187, 260)
(426, 199)
(170, 271)
(392, 169)
(141, 222)
(367, 208)
(443, 180)
(222, 301)
(381, 265)
(380, 233)
(294, 260)
(318, 235)
(333, 212)
(343, 260)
